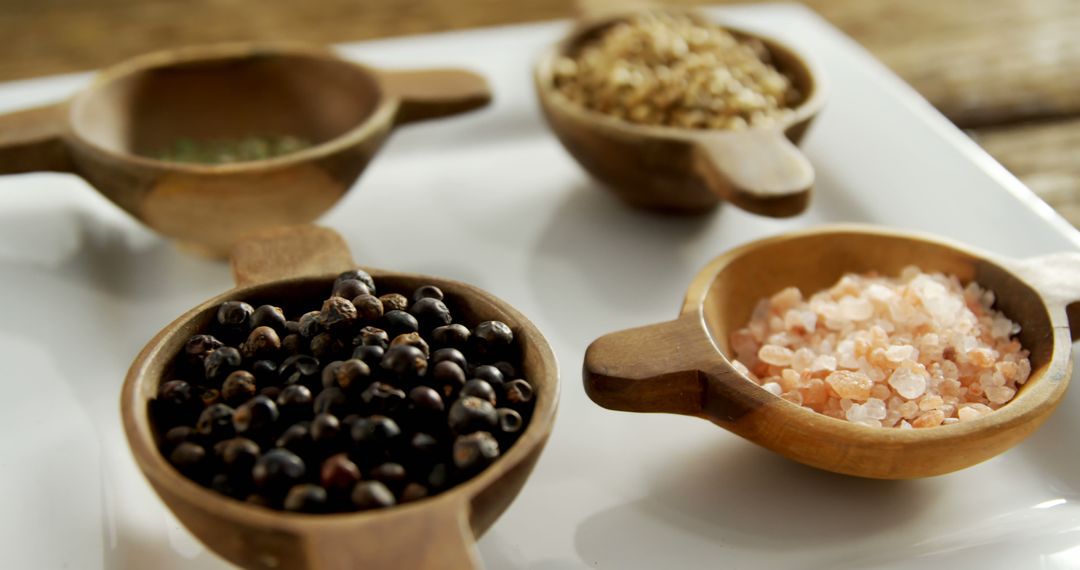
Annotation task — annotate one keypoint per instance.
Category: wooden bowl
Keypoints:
(109, 132)
(295, 264)
(682, 170)
(680, 366)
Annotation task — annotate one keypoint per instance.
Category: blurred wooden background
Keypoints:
(1007, 71)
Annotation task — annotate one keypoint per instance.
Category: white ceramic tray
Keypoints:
(84, 287)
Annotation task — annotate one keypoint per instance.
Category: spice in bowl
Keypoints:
(358, 402)
(230, 150)
(915, 351)
(674, 70)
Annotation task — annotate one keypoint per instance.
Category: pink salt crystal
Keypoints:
(908, 381)
(929, 419)
(1009, 370)
(981, 357)
(786, 298)
(904, 424)
(775, 355)
(909, 409)
(790, 380)
(822, 363)
(949, 421)
(999, 394)
(795, 319)
(773, 388)
(855, 309)
(970, 412)
(802, 359)
(874, 409)
(850, 385)
(794, 397)
(930, 402)
(880, 391)
(900, 353)
(814, 392)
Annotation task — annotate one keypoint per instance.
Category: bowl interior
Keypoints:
(147, 106)
(816, 261)
(490, 491)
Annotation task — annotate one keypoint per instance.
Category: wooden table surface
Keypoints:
(1006, 71)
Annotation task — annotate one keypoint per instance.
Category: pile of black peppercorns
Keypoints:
(369, 402)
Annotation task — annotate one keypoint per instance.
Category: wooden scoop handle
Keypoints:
(655, 368)
(31, 140)
(288, 251)
(758, 170)
(434, 93)
(1057, 278)
(432, 538)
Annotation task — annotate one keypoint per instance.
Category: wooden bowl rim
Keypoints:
(803, 113)
(1039, 396)
(135, 417)
(382, 113)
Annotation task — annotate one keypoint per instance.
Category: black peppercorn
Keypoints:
(404, 362)
(297, 439)
(339, 473)
(475, 451)
(306, 498)
(270, 316)
(175, 394)
(349, 289)
(506, 369)
(294, 401)
(209, 396)
(394, 302)
(190, 459)
(238, 455)
(326, 346)
(262, 342)
(451, 336)
(452, 354)
(300, 369)
(372, 336)
(220, 363)
(426, 399)
(331, 401)
(374, 435)
(347, 375)
(413, 492)
(382, 398)
(392, 475)
(368, 307)
(423, 448)
(198, 346)
(325, 430)
(309, 324)
(234, 314)
(367, 495)
(337, 313)
(489, 374)
(479, 389)
(255, 416)
(430, 313)
(398, 322)
(294, 344)
(215, 422)
(470, 414)
(265, 371)
(411, 339)
(448, 378)
(278, 470)
(271, 392)
(518, 392)
(178, 435)
(427, 292)
(510, 421)
(371, 355)
(492, 338)
(361, 276)
(238, 387)
(439, 476)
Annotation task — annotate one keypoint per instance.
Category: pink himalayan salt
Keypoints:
(926, 348)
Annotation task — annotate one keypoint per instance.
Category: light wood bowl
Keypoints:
(290, 265)
(681, 170)
(681, 366)
(109, 132)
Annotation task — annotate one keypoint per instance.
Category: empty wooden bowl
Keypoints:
(680, 366)
(686, 170)
(291, 265)
(110, 132)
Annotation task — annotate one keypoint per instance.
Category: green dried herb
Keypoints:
(226, 151)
